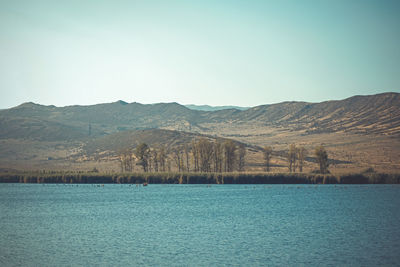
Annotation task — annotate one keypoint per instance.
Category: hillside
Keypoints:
(362, 114)
(378, 114)
(102, 118)
(359, 131)
(153, 137)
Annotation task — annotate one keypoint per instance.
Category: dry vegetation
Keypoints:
(198, 178)
(352, 152)
(358, 133)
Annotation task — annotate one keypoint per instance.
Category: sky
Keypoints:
(243, 53)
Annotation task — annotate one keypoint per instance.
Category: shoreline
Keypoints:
(199, 178)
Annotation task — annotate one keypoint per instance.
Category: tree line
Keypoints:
(296, 157)
(203, 155)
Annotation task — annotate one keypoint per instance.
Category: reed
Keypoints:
(199, 178)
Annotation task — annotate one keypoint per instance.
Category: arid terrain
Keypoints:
(358, 133)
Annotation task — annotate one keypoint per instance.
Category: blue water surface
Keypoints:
(199, 225)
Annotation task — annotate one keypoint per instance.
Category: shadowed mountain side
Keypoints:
(106, 118)
(37, 129)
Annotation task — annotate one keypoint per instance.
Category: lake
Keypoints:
(199, 225)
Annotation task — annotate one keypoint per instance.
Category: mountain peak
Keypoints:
(121, 102)
(28, 104)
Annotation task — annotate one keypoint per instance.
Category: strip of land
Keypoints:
(199, 178)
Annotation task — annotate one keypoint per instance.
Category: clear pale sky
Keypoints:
(242, 53)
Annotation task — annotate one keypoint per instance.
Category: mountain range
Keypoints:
(360, 118)
(379, 114)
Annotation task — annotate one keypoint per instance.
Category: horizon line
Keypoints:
(191, 104)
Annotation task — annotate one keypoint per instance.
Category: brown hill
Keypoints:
(102, 118)
(362, 114)
(379, 114)
(358, 132)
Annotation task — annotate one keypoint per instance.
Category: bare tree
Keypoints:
(143, 153)
(292, 158)
(178, 158)
(130, 159)
(229, 155)
(187, 157)
(150, 162)
(126, 160)
(322, 158)
(218, 156)
(121, 159)
(267, 152)
(155, 156)
(195, 152)
(301, 155)
(241, 157)
(205, 150)
(162, 156)
(168, 161)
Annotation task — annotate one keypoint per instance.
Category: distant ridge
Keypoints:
(373, 114)
(214, 108)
